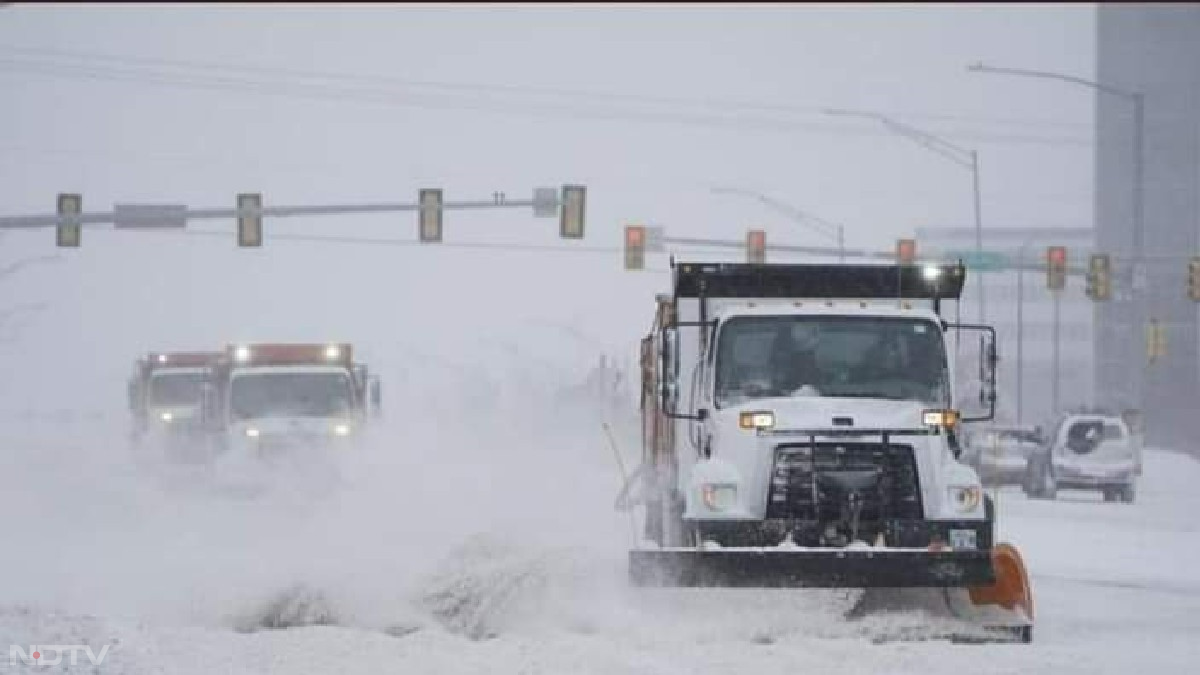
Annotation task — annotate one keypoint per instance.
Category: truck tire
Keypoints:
(1048, 486)
(1027, 485)
(654, 522)
(676, 532)
(1128, 493)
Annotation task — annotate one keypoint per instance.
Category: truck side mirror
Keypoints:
(132, 393)
(376, 398)
(208, 404)
(988, 359)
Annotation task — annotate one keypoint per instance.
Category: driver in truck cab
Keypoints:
(796, 366)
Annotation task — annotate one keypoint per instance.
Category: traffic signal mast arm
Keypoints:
(567, 204)
(100, 217)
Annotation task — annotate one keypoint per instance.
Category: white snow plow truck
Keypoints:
(800, 429)
(165, 393)
(269, 398)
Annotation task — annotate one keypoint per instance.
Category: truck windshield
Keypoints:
(290, 394)
(169, 388)
(834, 356)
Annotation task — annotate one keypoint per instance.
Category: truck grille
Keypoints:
(291, 442)
(796, 494)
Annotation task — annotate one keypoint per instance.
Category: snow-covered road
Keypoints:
(474, 549)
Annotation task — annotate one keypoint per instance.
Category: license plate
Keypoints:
(962, 539)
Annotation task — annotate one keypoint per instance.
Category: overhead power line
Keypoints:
(392, 81)
(342, 92)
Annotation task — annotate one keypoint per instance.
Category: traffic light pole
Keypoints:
(1054, 367)
(1020, 331)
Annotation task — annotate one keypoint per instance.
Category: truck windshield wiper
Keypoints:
(864, 394)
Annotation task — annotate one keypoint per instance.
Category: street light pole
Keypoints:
(810, 221)
(1021, 330)
(1055, 375)
(1137, 98)
(1139, 234)
(968, 159)
(978, 231)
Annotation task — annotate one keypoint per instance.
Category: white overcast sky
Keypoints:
(194, 103)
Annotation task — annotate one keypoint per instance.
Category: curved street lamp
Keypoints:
(968, 159)
(1137, 98)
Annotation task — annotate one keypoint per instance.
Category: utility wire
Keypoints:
(348, 94)
(728, 104)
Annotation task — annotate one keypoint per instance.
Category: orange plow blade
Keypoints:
(1011, 589)
(1007, 604)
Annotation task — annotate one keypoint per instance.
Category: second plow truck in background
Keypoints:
(165, 392)
(800, 429)
(266, 399)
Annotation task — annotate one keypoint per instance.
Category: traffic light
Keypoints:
(570, 219)
(1099, 277)
(68, 234)
(429, 214)
(1194, 278)
(250, 232)
(1056, 267)
(906, 251)
(635, 247)
(756, 247)
(1156, 340)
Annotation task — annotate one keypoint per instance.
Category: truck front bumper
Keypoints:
(810, 568)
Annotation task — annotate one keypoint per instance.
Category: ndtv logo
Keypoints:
(38, 655)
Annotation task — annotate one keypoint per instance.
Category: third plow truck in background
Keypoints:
(800, 429)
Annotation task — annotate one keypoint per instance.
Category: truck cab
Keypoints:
(165, 395)
(268, 398)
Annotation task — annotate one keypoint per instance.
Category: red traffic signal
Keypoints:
(906, 251)
(635, 247)
(756, 247)
(1056, 267)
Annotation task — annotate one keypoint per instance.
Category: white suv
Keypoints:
(1085, 451)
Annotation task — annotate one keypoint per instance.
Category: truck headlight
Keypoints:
(965, 498)
(341, 430)
(719, 497)
(760, 419)
(166, 417)
(940, 418)
(252, 433)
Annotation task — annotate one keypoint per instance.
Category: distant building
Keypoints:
(1154, 50)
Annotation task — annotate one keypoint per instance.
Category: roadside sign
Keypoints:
(149, 216)
(979, 261)
(545, 202)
